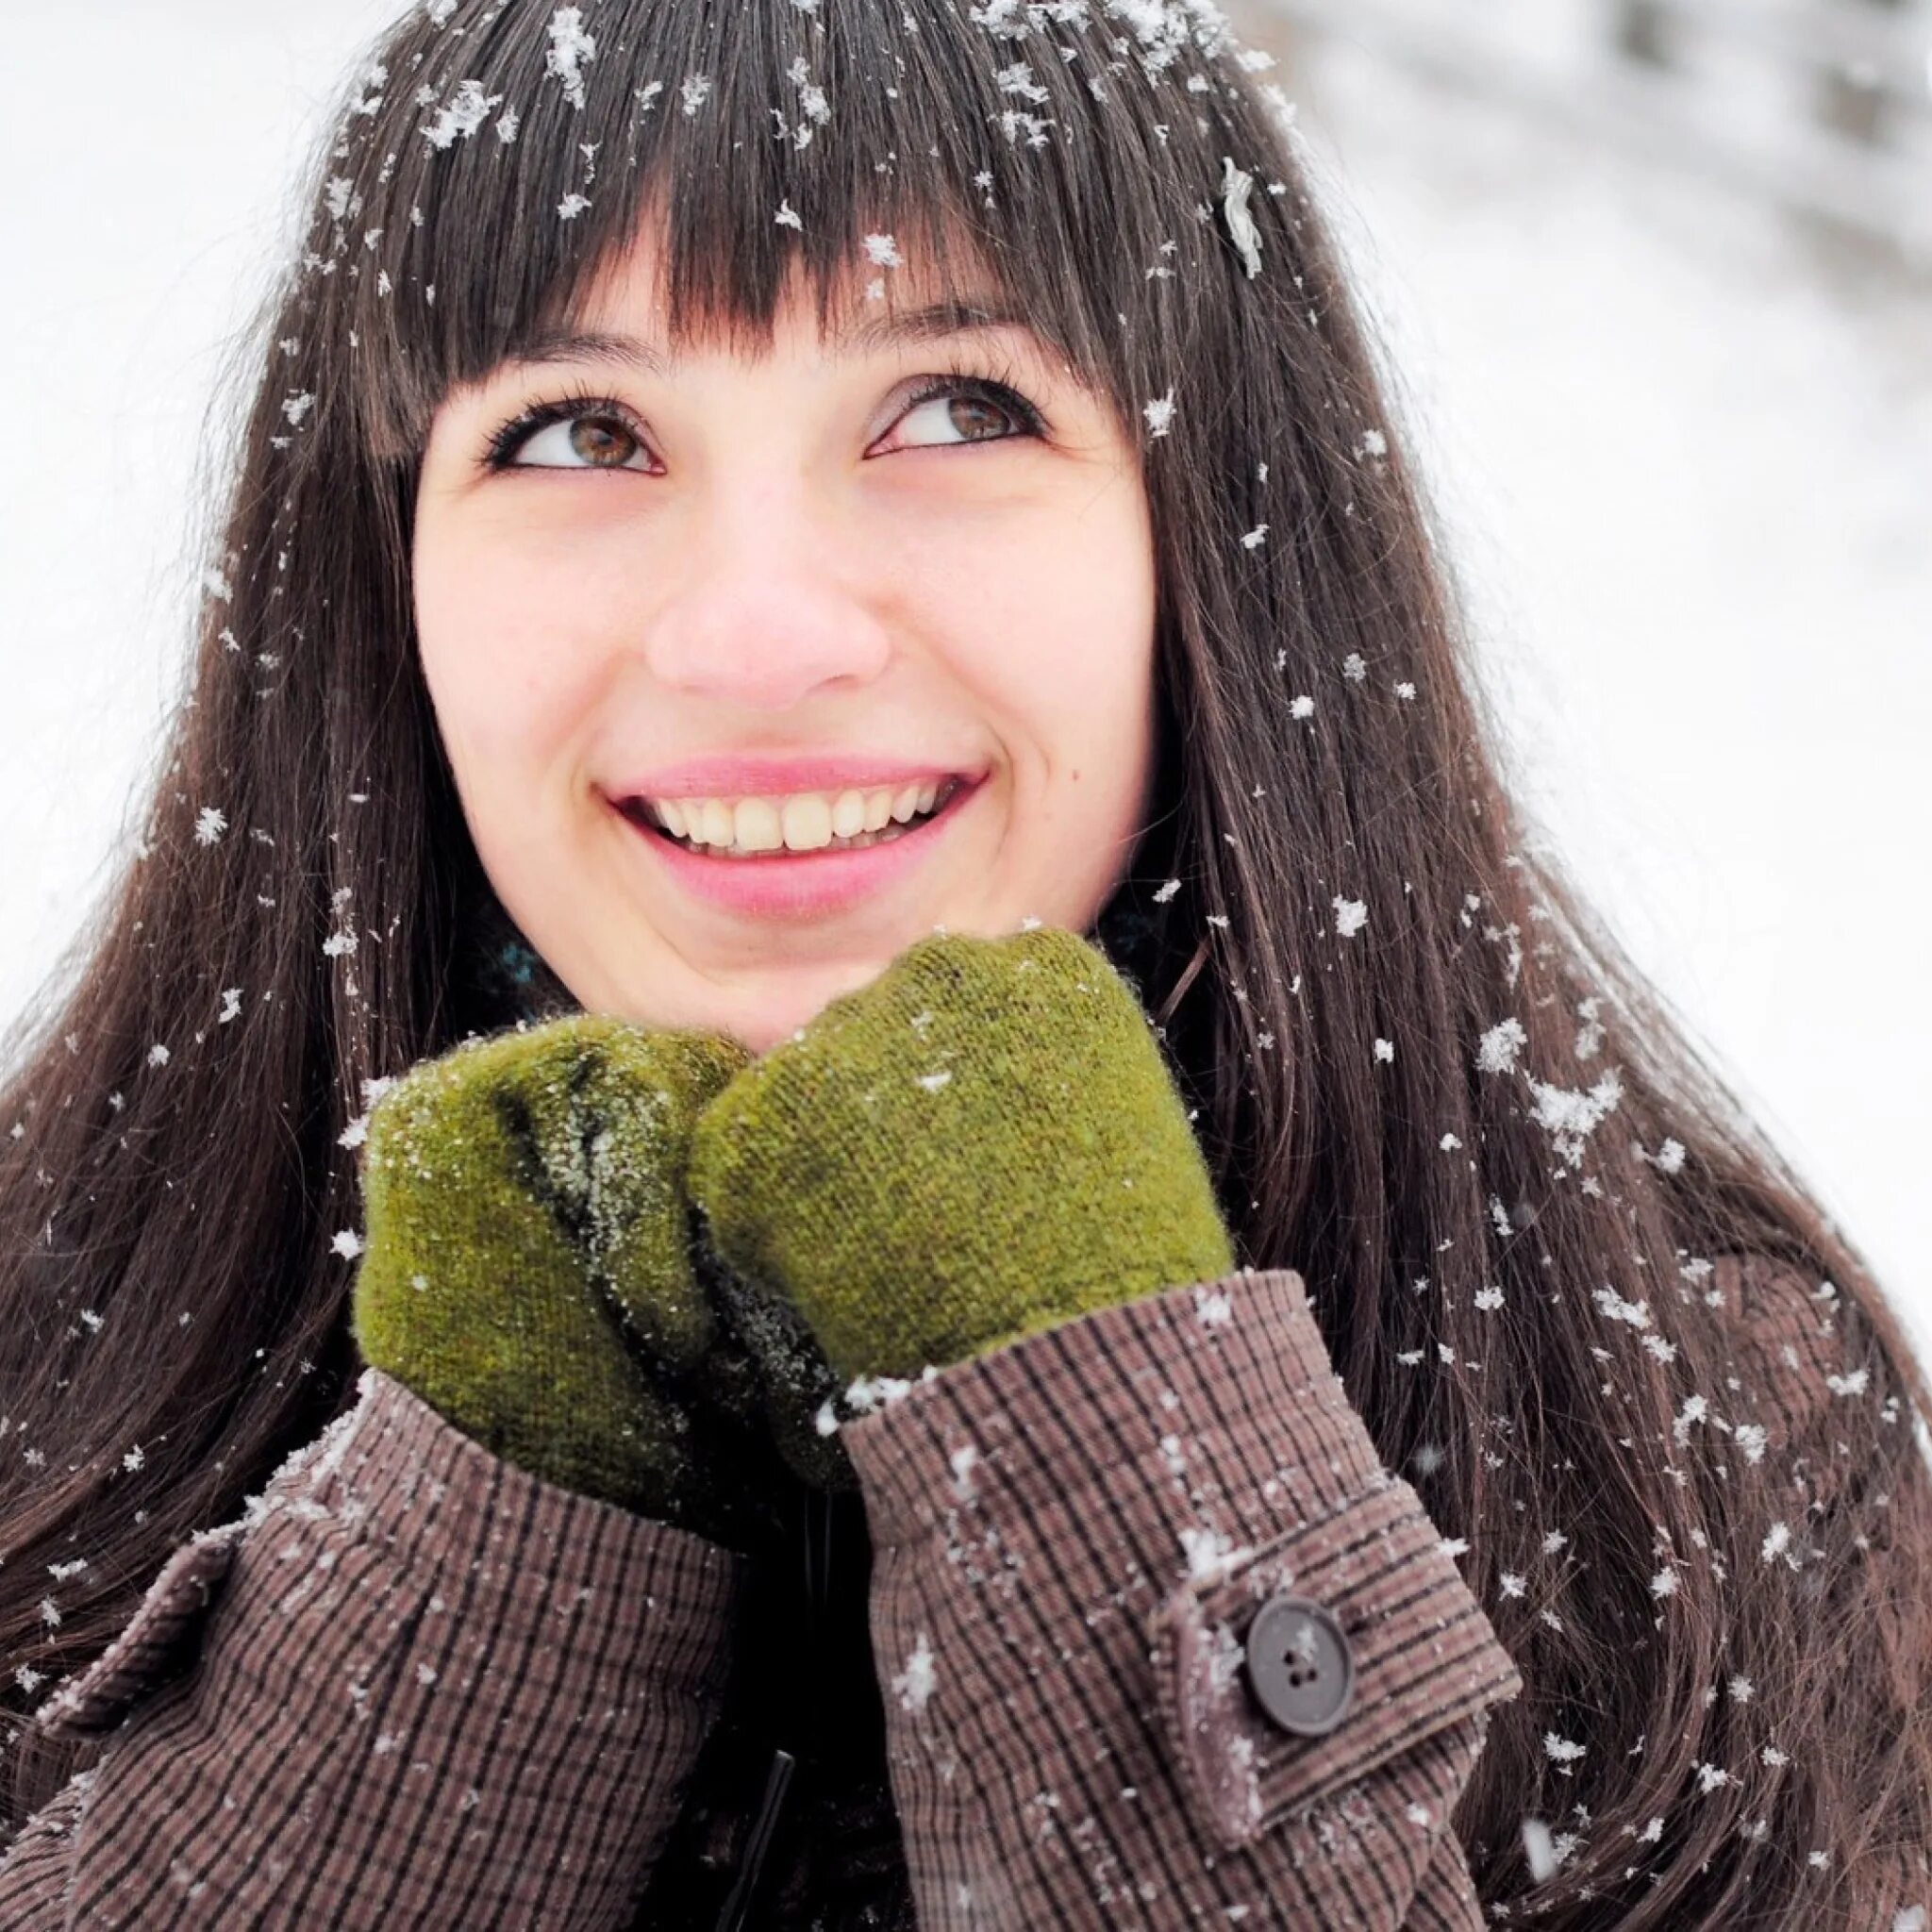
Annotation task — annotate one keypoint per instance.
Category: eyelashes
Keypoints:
(573, 403)
(578, 402)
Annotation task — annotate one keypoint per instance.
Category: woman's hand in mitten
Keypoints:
(529, 1270)
(980, 1143)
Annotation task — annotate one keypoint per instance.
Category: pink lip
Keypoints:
(749, 777)
(802, 885)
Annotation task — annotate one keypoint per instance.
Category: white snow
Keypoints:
(570, 48)
(916, 1683)
(464, 112)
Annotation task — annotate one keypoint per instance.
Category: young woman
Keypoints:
(1183, 1341)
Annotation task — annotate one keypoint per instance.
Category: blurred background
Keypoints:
(1654, 278)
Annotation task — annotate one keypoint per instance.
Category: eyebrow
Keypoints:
(865, 337)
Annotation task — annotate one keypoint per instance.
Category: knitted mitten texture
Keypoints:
(529, 1267)
(980, 1143)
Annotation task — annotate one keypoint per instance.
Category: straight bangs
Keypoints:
(754, 142)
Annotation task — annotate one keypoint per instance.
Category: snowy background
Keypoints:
(1684, 444)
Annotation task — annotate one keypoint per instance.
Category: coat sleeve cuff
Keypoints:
(1077, 1529)
(410, 1664)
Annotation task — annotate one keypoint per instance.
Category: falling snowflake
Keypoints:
(883, 250)
(347, 1243)
(1537, 1851)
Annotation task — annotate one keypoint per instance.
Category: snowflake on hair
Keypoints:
(570, 48)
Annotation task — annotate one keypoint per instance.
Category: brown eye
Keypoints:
(975, 418)
(965, 408)
(570, 434)
(602, 441)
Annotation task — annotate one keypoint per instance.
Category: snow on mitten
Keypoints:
(982, 1143)
(529, 1270)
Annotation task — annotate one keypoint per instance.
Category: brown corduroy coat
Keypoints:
(416, 1685)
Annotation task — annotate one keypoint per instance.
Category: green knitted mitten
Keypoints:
(529, 1268)
(982, 1143)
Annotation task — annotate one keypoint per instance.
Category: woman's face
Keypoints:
(747, 563)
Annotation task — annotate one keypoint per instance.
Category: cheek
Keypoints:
(1052, 628)
(510, 669)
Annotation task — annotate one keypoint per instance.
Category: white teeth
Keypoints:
(807, 821)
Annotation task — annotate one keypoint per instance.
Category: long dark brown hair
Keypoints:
(1581, 1303)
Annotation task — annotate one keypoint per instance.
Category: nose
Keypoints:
(769, 603)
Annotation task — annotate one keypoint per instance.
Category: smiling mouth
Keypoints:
(641, 814)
